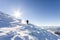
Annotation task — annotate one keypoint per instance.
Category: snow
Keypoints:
(17, 31)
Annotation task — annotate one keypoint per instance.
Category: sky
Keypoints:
(38, 12)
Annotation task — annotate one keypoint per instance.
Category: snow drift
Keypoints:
(12, 29)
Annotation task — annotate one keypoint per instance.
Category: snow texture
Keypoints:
(12, 29)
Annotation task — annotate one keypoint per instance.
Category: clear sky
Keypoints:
(39, 12)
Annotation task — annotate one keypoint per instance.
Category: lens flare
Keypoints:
(17, 13)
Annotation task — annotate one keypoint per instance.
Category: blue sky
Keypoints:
(39, 12)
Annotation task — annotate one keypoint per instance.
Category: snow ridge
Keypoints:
(13, 29)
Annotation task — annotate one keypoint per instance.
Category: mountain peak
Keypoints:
(12, 29)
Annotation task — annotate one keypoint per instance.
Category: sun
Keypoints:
(17, 13)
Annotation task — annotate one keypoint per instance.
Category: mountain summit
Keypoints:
(12, 29)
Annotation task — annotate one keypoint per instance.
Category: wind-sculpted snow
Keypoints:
(13, 29)
(26, 32)
(8, 21)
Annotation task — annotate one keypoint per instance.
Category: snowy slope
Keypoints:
(26, 32)
(7, 20)
(22, 31)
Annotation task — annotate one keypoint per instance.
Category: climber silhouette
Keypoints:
(27, 21)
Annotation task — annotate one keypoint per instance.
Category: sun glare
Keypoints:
(23, 22)
(17, 13)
